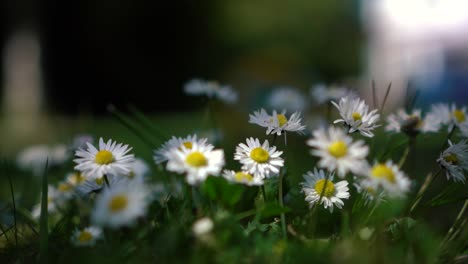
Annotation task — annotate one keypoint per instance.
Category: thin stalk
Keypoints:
(106, 180)
(374, 95)
(147, 123)
(4, 233)
(457, 220)
(429, 180)
(245, 214)
(262, 189)
(44, 229)
(14, 208)
(385, 98)
(280, 199)
(408, 150)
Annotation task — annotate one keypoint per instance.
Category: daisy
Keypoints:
(120, 205)
(211, 89)
(259, 160)
(34, 157)
(277, 122)
(455, 160)
(242, 177)
(316, 185)
(162, 154)
(75, 178)
(96, 185)
(86, 236)
(65, 191)
(355, 114)
(337, 151)
(389, 177)
(287, 98)
(365, 188)
(111, 158)
(197, 162)
(411, 124)
(138, 171)
(323, 94)
(449, 115)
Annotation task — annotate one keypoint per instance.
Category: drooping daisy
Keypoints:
(355, 114)
(411, 124)
(277, 122)
(120, 205)
(259, 160)
(212, 89)
(86, 236)
(197, 162)
(389, 177)
(323, 94)
(111, 158)
(162, 154)
(287, 98)
(242, 177)
(316, 185)
(455, 161)
(337, 151)
(52, 195)
(449, 115)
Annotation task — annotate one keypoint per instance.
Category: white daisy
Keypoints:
(111, 158)
(139, 170)
(212, 89)
(86, 236)
(323, 94)
(411, 124)
(75, 178)
(365, 187)
(277, 122)
(337, 151)
(197, 162)
(389, 177)
(95, 185)
(52, 195)
(355, 114)
(259, 160)
(79, 141)
(120, 205)
(34, 157)
(316, 184)
(449, 115)
(455, 161)
(242, 177)
(65, 191)
(162, 154)
(287, 98)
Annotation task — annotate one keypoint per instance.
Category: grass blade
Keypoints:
(14, 207)
(374, 95)
(148, 124)
(386, 96)
(43, 230)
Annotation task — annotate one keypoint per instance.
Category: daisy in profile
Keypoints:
(337, 151)
(212, 89)
(259, 160)
(355, 115)
(449, 115)
(197, 162)
(278, 122)
(242, 177)
(411, 124)
(455, 161)
(316, 185)
(162, 154)
(120, 205)
(287, 98)
(110, 158)
(323, 94)
(388, 177)
(86, 236)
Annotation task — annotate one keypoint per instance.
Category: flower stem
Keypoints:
(429, 179)
(280, 199)
(106, 180)
(262, 189)
(449, 236)
(408, 150)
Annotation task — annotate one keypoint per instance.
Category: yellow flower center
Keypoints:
(356, 116)
(240, 176)
(451, 158)
(187, 144)
(104, 157)
(118, 203)
(338, 149)
(259, 155)
(85, 236)
(328, 188)
(382, 171)
(459, 115)
(196, 159)
(65, 187)
(282, 119)
(99, 181)
(77, 178)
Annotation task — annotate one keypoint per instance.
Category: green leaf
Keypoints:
(273, 209)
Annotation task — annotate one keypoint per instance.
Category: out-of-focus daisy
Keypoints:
(202, 226)
(91, 185)
(411, 124)
(449, 115)
(287, 98)
(455, 161)
(75, 178)
(139, 169)
(365, 187)
(316, 184)
(86, 236)
(278, 122)
(34, 158)
(197, 162)
(242, 177)
(323, 94)
(355, 114)
(162, 154)
(65, 191)
(389, 177)
(212, 89)
(80, 141)
(111, 158)
(52, 195)
(337, 151)
(259, 160)
(120, 205)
